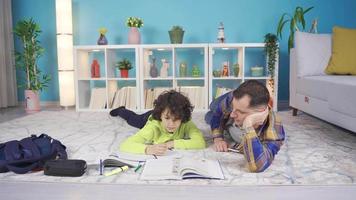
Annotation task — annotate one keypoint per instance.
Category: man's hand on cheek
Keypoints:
(255, 119)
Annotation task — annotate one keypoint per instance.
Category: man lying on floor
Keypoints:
(245, 116)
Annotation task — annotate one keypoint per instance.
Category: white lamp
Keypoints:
(65, 52)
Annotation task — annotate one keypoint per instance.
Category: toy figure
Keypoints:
(225, 70)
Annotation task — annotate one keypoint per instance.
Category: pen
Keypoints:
(233, 150)
(117, 170)
(155, 156)
(138, 167)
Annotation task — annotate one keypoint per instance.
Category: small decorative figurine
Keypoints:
(153, 68)
(164, 68)
(102, 39)
(221, 35)
(183, 69)
(225, 69)
(95, 69)
(195, 71)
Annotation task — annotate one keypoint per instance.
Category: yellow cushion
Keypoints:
(343, 58)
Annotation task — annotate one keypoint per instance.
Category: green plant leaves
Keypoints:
(28, 32)
(296, 19)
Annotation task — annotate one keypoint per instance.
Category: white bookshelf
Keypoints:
(110, 78)
(175, 54)
(207, 57)
(246, 55)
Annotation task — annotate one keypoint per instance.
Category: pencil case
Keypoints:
(72, 168)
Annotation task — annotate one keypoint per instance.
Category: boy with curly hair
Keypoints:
(166, 127)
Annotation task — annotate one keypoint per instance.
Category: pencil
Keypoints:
(233, 150)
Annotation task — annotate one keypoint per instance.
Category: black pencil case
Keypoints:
(72, 168)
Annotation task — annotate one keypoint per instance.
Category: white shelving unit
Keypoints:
(175, 55)
(246, 55)
(206, 57)
(110, 79)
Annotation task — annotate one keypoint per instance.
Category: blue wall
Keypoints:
(244, 21)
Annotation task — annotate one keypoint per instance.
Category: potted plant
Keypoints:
(176, 34)
(134, 35)
(124, 66)
(28, 32)
(294, 21)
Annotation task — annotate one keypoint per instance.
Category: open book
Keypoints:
(181, 168)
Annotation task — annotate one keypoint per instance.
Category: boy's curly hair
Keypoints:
(179, 106)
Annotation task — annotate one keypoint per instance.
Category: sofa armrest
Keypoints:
(292, 77)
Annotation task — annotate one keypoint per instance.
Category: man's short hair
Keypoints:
(257, 92)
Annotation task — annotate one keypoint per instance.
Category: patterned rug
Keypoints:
(314, 153)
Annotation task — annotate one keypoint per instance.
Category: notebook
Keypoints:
(169, 168)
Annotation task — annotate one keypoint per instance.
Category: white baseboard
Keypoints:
(44, 103)
(283, 105)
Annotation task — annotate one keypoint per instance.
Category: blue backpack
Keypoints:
(30, 153)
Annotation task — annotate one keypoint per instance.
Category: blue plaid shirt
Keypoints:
(259, 148)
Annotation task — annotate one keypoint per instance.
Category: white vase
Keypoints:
(134, 36)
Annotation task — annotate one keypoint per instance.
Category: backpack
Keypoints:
(30, 153)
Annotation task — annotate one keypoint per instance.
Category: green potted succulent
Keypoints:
(294, 20)
(176, 35)
(124, 66)
(35, 81)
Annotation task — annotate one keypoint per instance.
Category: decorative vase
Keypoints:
(102, 40)
(176, 37)
(124, 73)
(134, 36)
(256, 71)
(32, 101)
(183, 69)
(195, 71)
(95, 69)
(236, 69)
(164, 69)
(153, 69)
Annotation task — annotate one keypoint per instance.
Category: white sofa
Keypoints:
(328, 97)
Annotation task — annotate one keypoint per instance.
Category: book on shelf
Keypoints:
(125, 96)
(97, 98)
(181, 168)
(221, 90)
(195, 95)
(152, 94)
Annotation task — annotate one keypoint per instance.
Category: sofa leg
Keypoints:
(295, 111)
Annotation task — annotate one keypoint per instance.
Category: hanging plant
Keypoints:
(271, 51)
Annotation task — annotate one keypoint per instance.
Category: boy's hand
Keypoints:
(220, 145)
(156, 149)
(255, 119)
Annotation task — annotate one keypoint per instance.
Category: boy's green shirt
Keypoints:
(187, 136)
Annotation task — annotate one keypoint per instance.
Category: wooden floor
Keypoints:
(54, 191)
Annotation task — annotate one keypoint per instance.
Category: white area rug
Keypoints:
(314, 152)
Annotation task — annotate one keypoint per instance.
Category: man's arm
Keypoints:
(260, 152)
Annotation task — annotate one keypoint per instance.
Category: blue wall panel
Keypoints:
(244, 21)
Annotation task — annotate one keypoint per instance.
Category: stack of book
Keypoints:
(125, 96)
(194, 93)
(97, 98)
